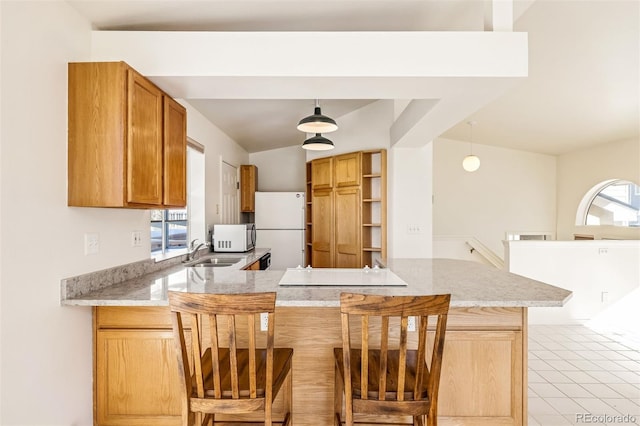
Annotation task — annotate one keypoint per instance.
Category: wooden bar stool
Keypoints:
(222, 368)
(379, 378)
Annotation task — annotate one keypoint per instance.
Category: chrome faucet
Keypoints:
(194, 250)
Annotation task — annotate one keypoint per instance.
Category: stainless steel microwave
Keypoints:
(233, 237)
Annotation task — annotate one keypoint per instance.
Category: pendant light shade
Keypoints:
(317, 123)
(471, 162)
(317, 143)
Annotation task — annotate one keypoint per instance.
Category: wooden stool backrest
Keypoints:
(198, 308)
(386, 307)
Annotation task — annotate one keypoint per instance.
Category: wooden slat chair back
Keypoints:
(385, 375)
(222, 368)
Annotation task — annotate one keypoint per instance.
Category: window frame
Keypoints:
(582, 214)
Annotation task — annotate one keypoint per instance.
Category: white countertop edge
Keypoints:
(323, 304)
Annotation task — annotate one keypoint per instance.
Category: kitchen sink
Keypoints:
(217, 262)
(213, 265)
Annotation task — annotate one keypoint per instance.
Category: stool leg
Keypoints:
(288, 397)
(338, 386)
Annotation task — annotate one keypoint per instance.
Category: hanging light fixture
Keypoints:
(317, 123)
(471, 162)
(317, 143)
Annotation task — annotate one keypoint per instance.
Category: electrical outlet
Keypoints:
(91, 243)
(264, 321)
(604, 297)
(411, 326)
(603, 251)
(414, 229)
(136, 239)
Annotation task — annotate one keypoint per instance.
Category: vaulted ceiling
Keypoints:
(582, 89)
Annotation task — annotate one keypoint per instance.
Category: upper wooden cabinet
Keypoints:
(347, 169)
(175, 153)
(248, 187)
(322, 173)
(127, 141)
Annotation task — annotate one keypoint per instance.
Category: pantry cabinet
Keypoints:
(348, 253)
(126, 140)
(322, 253)
(322, 173)
(347, 169)
(346, 210)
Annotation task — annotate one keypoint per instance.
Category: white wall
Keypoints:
(410, 202)
(1, 207)
(46, 348)
(280, 169)
(512, 191)
(587, 268)
(218, 148)
(409, 175)
(365, 128)
(581, 170)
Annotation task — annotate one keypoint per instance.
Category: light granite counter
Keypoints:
(470, 284)
(486, 327)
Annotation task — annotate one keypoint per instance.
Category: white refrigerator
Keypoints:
(279, 218)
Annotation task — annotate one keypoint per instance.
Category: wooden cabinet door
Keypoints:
(322, 173)
(175, 154)
(126, 142)
(348, 253)
(492, 388)
(322, 254)
(255, 266)
(347, 169)
(96, 133)
(136, 378)
(248, 186)
(144, 141)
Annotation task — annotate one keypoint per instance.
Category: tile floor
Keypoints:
(580, 375)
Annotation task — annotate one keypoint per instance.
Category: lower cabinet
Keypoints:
(255, 266)
(483, 382)
(135, 367)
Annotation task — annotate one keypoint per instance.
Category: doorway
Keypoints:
(229, 193)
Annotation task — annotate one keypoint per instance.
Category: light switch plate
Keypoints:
(136, 239)
(91, 243)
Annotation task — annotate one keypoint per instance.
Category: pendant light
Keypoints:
(317, 143)
(471, 163)
(317, 123)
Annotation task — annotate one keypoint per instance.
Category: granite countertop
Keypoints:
(470, 284)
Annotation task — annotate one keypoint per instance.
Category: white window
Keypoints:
(173, 229)
(613, 203)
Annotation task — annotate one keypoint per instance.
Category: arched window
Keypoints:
(612, 203)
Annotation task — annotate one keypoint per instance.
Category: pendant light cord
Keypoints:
(471, 124)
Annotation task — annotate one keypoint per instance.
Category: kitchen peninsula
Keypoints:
(484, 376)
